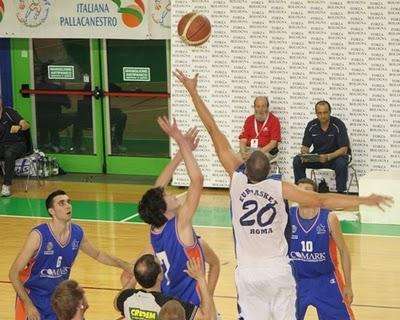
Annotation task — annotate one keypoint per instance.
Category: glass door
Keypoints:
(95, 103)
(135, 74)
(67, 111)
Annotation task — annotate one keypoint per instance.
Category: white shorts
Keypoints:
(266, 293)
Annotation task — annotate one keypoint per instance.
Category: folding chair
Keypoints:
(353, 174)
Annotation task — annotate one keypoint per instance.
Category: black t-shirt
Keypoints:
(326, 141)
(140, 304)
(9, 118)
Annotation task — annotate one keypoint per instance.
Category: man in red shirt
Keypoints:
(261, 131)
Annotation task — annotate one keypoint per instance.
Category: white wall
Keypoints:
(296, 53)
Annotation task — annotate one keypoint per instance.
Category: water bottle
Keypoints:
(46, 167)
(39, 163)
(55, 167)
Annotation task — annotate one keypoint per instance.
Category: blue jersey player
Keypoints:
(47, 257)
(316, 237)
(172, 236)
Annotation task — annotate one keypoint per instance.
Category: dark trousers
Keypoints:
(339, 165)
(84, 121)
(49, 126)
(118, 121)
(9, 152)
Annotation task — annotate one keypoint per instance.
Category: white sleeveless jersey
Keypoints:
(259, 220)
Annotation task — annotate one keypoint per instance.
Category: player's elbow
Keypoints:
(12, 274)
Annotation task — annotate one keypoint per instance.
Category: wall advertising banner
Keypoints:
(296, 53)
(111, 19)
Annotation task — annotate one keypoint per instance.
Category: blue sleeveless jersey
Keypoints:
(50, 266)
(312, 250)
(174, 255)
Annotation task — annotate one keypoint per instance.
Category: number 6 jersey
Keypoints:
(259, 219)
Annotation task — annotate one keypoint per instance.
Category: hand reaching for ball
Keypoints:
(189, 83)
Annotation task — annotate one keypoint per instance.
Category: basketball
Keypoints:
(194, 28)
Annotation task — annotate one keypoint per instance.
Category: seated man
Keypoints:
(12, 143)
(69, 301)
(84, 120)
(261, 131)
(328, 136)
(148, 273)
(50, 118)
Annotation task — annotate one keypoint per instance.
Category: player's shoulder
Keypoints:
(76, 228)
(274, 177)
(293, 210)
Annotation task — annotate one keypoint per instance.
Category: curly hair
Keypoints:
(152, 207)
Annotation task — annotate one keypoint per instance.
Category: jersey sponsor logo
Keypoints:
(54, 273)
(321, 229)
(139, 314)
(49, 248)
(294, 228)
(308, 256)
(75, 244)
(332, 281)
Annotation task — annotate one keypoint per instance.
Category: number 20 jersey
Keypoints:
(259, 219)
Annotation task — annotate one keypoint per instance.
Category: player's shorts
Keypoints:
(324, 293)
(266, 292)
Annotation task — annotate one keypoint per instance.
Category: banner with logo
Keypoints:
(110, 19)
(296, 53)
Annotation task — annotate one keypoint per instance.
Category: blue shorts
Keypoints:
(325, 295)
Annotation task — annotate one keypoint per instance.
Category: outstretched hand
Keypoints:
(192, 138)
(189, 83)
(170, 129)
(195, 269)
(378, 201)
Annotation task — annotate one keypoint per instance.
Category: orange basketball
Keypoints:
(194, 28)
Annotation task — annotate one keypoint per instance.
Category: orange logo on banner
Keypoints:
(132, 15)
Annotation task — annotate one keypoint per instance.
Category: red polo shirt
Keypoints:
(271, 130)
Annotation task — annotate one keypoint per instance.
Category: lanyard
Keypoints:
(256, 126)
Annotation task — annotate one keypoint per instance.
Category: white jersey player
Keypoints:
(264, 280)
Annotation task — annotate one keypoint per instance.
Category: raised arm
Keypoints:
(229, 160)
(189, 206)
(166, 175)
(331, 201)
(28, 251)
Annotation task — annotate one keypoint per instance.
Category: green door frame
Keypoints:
(21, 53)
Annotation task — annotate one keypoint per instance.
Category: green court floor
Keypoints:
(127, 212)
